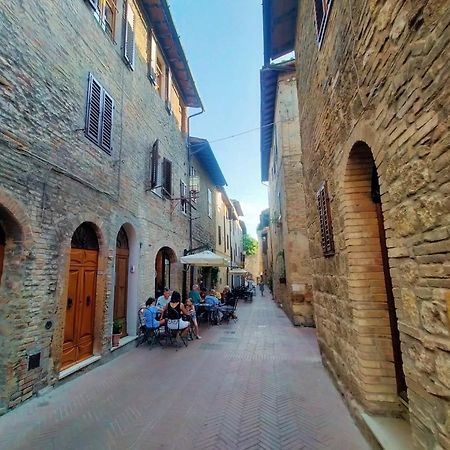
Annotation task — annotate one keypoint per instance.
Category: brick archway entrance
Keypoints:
(381, 378)
(163, 268)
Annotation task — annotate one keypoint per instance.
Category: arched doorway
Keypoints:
(2, 250)
(80, 309)
(121, 286)
(370, 285)
(164, 259)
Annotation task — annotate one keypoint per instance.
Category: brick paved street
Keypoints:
(255, 384)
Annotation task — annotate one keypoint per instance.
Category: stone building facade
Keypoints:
(93, 118)
(282, 168)
(373, 109)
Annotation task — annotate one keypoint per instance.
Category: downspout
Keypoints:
(190, 207)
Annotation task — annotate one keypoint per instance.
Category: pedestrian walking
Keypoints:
(261, 288)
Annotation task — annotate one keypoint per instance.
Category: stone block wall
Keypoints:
(292, 283)
(52, 178)
(379, 79)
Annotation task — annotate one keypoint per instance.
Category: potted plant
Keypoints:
(116, 333)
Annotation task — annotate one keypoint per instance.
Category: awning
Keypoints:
(238, 272)
(205, 259)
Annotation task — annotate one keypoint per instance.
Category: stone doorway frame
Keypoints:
(133, 279)
(375, 371)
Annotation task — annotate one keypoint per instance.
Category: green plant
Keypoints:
(117, 327)
(250, 245)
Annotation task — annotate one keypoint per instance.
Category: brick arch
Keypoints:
(17, 213)
(369, 285)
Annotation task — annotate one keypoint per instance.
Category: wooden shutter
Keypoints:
(94, 110)
(326, 229)
(154, 160)
(107, 122)
(167, 178)
(129, 47)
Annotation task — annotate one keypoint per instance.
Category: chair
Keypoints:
(229, 309)
(151, 336)
(173, 334)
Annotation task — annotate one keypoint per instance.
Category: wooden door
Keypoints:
(80, 309)
(121, 288)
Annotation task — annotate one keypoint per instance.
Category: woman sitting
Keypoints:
(191, 309)
(174, 311)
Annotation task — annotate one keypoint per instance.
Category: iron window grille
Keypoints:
(326, 229)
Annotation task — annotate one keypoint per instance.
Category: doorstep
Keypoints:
(391, 433)
(124, 341)
(76, 367)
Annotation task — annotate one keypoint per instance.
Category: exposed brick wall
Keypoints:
(290, 251)
(380, 77)
(61, 179)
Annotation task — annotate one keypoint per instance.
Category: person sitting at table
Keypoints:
(226, 295)
(174, 310)
(194, 295)
(191, 309)
(150, 313)
(211, 299)
(202, 295)
(163, 299)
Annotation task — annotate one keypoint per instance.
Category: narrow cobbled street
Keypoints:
(255, 384)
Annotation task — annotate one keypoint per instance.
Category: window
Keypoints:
(99, 115)
(194, 182)
(151, 57)
(152, 176)
(326, 229)
(160, 71)
(128, 45)
(209, 199)
(183, 197)
(219, 231)
(322, 12)
(167, 178)
(228, 242)
(168, 91)
(106, 13)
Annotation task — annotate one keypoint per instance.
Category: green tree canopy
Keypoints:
(250, 245)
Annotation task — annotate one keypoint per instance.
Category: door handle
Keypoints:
(69, 303)
(88, 300)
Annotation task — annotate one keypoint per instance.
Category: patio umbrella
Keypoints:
(205, 259)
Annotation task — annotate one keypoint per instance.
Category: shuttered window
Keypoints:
(99, 115)
(326, 229)
(151, 179)
(129, 41)
(167, 178)
(106, 12)
(322, 12)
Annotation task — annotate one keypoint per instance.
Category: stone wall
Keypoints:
(292, 285)
(52, 178)
(377, 90)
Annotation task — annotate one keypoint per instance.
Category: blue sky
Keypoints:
(223, 43)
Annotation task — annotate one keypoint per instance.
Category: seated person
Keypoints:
(174, 309)
(202, 295)
(211, 299)
(150, 313)
(163, 299)
(194, 295)
(191, 309)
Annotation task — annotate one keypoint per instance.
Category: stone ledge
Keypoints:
(124, 341)
(391, 433)
(76, 367)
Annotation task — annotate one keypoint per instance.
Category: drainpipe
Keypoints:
(190, 208)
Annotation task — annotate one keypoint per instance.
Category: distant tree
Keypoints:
(250, 245)
(264, 219)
